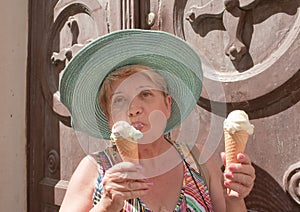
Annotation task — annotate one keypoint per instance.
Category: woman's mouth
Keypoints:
(138, 125)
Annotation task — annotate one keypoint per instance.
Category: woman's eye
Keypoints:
(118, 100)
(146, 93)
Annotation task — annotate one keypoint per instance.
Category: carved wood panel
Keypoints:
(250, 51)
(58, 29)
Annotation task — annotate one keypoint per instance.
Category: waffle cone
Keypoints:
(128, 150)
(234, 144)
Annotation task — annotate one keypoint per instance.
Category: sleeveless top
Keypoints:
(194, 195)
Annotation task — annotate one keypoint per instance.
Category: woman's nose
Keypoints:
(135, 108)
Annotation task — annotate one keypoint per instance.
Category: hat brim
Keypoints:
(170, 56)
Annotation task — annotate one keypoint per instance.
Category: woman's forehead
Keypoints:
(137, 81)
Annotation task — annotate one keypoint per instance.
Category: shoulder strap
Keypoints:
(201, 167)
(192, 155)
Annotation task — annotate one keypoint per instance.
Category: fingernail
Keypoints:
(226, 183)
(241, 156)
(149, 183)
(228, 175)
(232, 167)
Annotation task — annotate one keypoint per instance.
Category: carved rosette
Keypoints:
(245, 47)
(291, 181)
(53, 161)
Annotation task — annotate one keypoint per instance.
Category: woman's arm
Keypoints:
(216, 188)
(79, 194)
(121, 182)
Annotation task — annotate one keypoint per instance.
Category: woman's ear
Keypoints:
(169, 106)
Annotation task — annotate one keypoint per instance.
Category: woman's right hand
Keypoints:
(121, 182)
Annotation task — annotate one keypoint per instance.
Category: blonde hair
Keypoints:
(124, 72)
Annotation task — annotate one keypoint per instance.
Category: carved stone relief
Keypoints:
(291, 181)
(75, 24)
(250, 51)
(243, 46)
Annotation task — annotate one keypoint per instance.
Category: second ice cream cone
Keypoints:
(237, 129)
(234, 144)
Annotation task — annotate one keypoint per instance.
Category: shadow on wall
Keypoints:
(268, 196)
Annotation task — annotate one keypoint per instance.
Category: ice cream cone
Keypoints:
(234, 144)
(128, 150)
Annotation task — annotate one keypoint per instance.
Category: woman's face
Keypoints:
(137, 100)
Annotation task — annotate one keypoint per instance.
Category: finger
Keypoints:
(243, 158)
(237, 190)
(125, 170)
(125, 167)
(122, 176)
(128, 186)
(138, 185)
(115, 195)
(243, 179)
(247, 169)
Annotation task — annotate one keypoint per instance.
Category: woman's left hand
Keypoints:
(239, 177)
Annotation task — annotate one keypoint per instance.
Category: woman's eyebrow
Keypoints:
(115, 93)
(150, 87)
(147, 86)
(138, 88)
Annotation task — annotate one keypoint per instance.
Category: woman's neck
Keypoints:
(154, 149)
(158, 158)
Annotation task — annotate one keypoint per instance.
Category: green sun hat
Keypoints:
(169, 55)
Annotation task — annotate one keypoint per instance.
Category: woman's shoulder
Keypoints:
(81, 185)
(87, 164)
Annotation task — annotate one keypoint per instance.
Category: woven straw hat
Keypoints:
(170, 56)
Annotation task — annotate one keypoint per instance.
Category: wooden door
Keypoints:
(250, 56)
(57, 30)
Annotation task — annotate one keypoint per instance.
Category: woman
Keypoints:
(153, 82)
